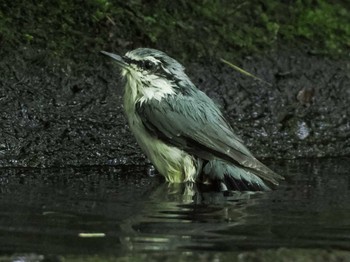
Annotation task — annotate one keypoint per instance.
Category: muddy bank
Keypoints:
(62, 114)
(60, 100)
(282, 254)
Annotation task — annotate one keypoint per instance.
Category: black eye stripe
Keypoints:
(127, 59)
(149, 65)
(144, 64)
(132, 61)
(158, 68)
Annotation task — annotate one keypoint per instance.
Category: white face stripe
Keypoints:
(152, 59)
(158, 89)
(137, 58)
(144, 87)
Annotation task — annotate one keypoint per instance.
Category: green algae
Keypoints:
(189, 29)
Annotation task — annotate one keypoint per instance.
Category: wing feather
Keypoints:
(197, 126)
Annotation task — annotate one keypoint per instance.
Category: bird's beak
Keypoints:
(119, 59)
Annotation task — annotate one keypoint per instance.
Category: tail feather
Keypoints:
(234, 177)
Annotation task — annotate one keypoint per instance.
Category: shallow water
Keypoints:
(115, 210)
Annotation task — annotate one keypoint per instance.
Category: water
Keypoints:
(112, 211)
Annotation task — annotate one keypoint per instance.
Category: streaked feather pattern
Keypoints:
(180, 128)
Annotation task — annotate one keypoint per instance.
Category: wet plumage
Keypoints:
(180, 128)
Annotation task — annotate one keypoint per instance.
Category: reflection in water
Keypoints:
(181, 216)
(115, 210)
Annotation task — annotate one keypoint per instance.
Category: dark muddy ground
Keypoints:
(64, 114)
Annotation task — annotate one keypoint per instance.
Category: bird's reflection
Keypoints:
(177, 215)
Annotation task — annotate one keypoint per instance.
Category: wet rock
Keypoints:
(303, 130)
(306, 95)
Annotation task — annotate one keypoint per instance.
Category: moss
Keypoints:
(193, 29)
(325, 25)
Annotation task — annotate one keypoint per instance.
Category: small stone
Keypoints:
(303, 131)
(151, 171)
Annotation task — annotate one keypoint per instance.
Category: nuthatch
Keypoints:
(180, 128)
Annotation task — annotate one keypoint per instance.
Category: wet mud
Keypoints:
(64, 113)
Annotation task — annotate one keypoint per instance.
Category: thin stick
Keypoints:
(244, 72)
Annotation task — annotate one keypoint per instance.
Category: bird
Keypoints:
(181, 130)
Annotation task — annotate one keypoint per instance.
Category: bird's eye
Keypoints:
(149, 65)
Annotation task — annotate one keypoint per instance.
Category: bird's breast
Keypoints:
(173, 163)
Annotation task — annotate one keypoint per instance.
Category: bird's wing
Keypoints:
(197, 126)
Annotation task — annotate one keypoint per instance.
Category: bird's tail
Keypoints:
(231, 177)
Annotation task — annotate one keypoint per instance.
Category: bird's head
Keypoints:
(152, 73)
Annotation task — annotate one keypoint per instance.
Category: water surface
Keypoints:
(115, 210)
